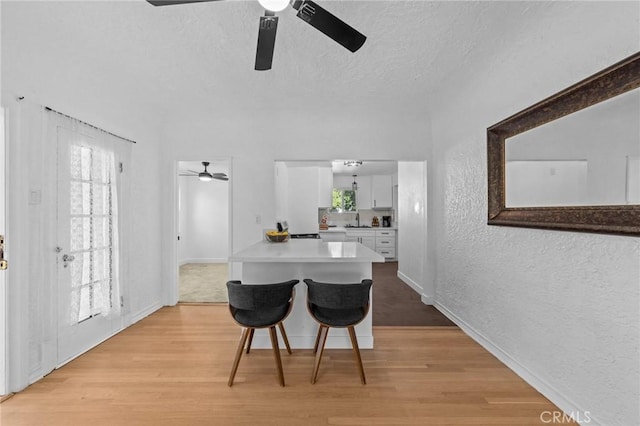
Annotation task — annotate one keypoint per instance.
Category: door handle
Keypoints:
(3, 263)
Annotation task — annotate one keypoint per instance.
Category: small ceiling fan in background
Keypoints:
(205, 176)
(308, 11)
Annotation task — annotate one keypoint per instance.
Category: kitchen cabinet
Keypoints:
(325, 187)
(382, 241)
(386, 243)
(366, 238)
(381, 191)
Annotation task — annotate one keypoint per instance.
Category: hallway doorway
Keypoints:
(203, 232)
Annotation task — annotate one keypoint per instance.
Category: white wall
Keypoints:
(282, 190)
(204, 219)
(560, 308)
(412, 232)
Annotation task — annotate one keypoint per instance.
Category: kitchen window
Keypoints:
(343, 200)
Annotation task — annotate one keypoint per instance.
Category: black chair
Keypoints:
(260, 306)
(337, 305)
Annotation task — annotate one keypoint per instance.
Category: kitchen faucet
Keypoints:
(358, 219)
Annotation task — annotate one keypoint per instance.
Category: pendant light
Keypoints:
(354, 185)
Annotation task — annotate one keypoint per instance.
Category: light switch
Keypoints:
(35, 197)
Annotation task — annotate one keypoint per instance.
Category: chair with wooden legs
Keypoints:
(260, 306)
(341, 306)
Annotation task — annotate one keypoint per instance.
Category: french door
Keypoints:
(88, 250)
(3, 289)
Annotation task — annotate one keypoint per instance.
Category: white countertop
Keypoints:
(334, 229)
(307, 250)
(345, 229)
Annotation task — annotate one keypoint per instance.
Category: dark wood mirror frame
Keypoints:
(619, 219)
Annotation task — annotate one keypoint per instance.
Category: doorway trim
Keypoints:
(174, 268)
(3, 282)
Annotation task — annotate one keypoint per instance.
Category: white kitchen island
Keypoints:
(333, 262)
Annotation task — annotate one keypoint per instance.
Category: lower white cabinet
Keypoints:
(380, 241)
(366, 238)
(386, 243)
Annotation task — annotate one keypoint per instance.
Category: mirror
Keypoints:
(572, 161)
(586, 158)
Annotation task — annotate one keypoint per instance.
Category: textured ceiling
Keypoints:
(200, 56)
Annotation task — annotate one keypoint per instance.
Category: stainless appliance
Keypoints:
(304, 236)
(386, 221)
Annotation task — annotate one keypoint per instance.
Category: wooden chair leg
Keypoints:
(250, 340)
(276, 353)
(322, 338)
(236, 361)
(284, 337)
(315, 346)
(356, 353)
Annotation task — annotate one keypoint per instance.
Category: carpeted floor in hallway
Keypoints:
(397, 304)
(203, 283)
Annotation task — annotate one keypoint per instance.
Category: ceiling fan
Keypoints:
(308, 11)
(205, 176)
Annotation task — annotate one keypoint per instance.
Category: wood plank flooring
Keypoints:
(172, 369)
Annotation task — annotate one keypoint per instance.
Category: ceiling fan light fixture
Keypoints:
(274, 5)
(205, 176)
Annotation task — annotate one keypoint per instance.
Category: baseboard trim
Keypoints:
(411, 283)
(3, 398)
(550, 392)
(427, 300)
(144, 313)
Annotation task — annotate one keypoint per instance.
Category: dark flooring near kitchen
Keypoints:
(397, 304)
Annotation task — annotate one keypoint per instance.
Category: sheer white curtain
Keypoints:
(93, 181)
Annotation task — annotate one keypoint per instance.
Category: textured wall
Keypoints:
(562, 307)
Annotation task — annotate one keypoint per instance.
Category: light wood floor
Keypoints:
(172, 369)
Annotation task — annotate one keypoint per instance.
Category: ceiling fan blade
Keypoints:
(266, 41)
(186, 174)
(170, 2)
(221, 178)
(329, 24)
(219, 174)
(193, 171)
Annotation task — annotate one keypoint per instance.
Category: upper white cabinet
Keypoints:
(325, 186)
(363, 195)
(381, 191)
